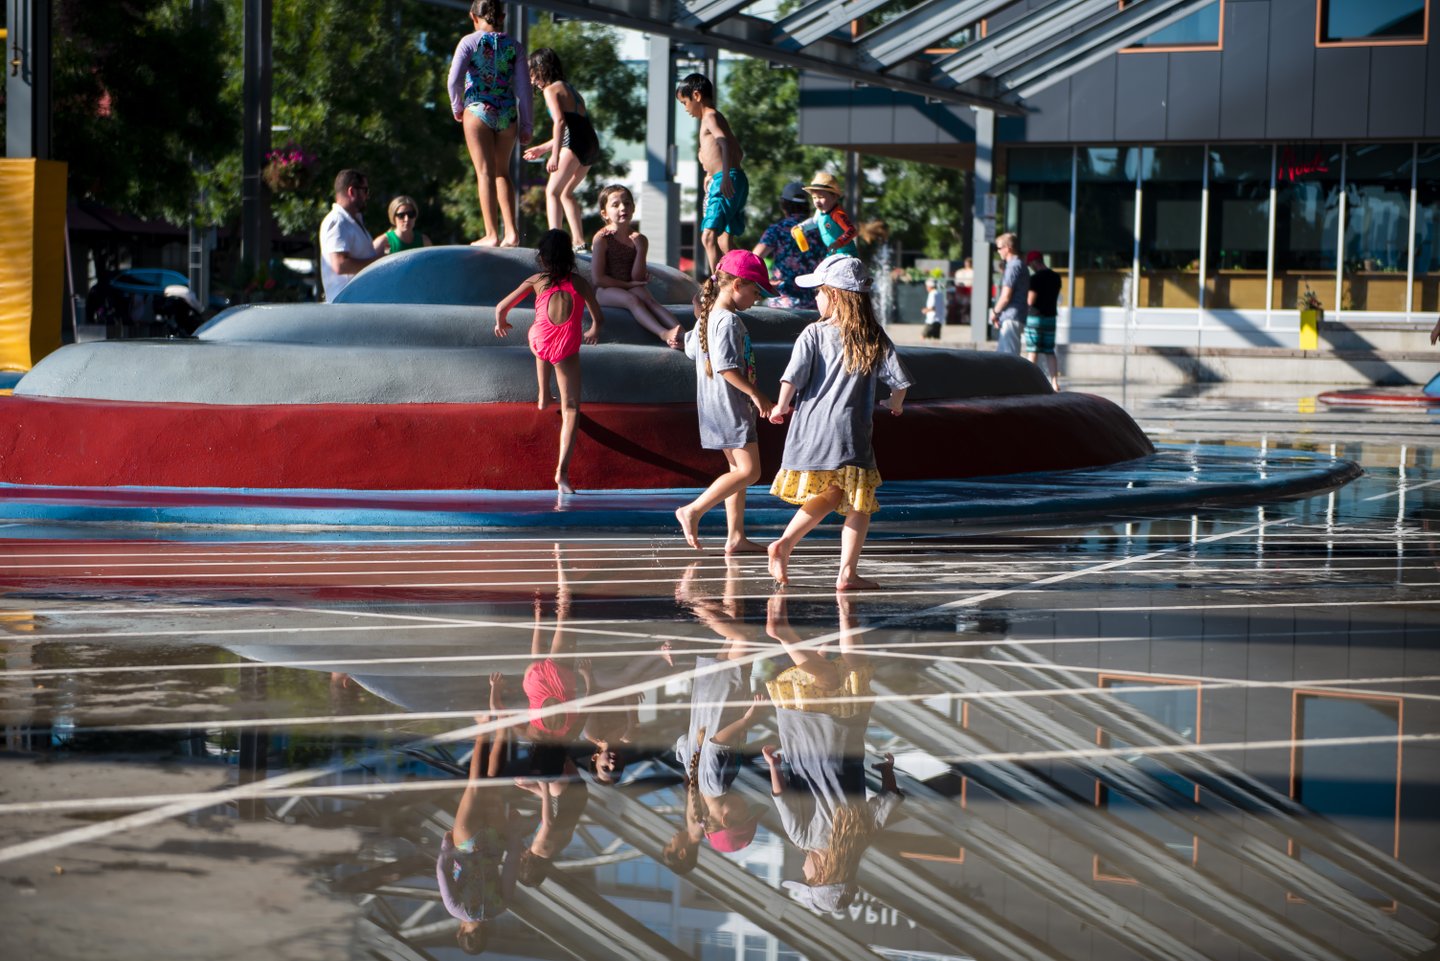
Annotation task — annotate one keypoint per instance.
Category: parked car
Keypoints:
(142, 296)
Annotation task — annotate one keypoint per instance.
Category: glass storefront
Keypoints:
(1171, 194)
(1104, 225)
(1208, 237)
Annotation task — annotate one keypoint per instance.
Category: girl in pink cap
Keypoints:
(726, 397)
(561, 296)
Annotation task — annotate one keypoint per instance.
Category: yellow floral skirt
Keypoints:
(857, 485)
(798, 690)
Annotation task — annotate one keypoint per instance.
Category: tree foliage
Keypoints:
(137, 101)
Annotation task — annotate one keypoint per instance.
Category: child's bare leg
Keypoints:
(747, 460)
(572, 174)
(726, 242)
(812, 512)
(480, 141)
(852, 540)
(567, 376)
(852, 650)
(712, 247)
(504, 186)
(812, 662)
(626, 300)
(743, 472)
(674, 334)
(542, 380)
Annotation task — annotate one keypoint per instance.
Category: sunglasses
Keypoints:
(405, 215)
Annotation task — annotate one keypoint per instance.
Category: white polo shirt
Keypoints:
(341, 233)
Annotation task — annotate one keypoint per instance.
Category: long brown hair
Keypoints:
(681, 853)
(709, 291)
(860, 332)
(491, 11)
(852, 833)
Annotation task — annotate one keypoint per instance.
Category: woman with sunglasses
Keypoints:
(404, 214)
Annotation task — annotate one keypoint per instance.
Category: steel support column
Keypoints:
(254, 197)
(659, 194)
(27, 81)
(983, 224)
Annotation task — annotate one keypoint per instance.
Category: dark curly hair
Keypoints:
(555, 256)
(545, 66)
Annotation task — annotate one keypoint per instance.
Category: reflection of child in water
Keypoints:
(562, 801)
(550, 680)
(718, 708)
(821, 709)
(472, 884)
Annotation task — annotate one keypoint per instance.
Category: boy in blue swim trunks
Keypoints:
(726, 188)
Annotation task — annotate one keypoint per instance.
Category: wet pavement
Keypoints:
(1203, 734)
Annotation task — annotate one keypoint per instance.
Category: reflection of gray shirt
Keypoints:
(719, 763)
(834, 410)
(727, 418)
(1017, 278)
(825, 757)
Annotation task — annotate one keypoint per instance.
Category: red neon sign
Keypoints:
(1292, 169)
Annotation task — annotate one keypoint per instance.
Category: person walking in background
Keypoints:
(1043, 304)
(404, 216)
(561, 296)
(720, 154)
(934, 309)
(788, 261)
(490, 95)
(829, 464)
(1011, 306)
(725, 392)
(345, 244)
(573, 146)
(618, 267)
(837, 232)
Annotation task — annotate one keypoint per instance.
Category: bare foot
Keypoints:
(511, 240)
(857, 583)
(542, 402)
(665, 650)
(779, 563)
(489, 240)
(689, 526)
(675, 337)
(743, 546)
(562, 484)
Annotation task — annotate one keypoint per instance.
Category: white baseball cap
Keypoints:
(840, 271)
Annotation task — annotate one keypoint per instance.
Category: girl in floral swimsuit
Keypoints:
(555, 336)
(490, 95)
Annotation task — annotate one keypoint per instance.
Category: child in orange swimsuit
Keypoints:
(555, 336)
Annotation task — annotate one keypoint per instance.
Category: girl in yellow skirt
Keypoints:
(829, 464)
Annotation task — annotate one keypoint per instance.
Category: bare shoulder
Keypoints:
(640, 240)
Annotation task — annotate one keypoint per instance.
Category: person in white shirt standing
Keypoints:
(345, 244)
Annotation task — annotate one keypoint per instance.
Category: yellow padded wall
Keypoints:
(32, 260)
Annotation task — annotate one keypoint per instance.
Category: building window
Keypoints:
(1307, 223)
(1372, 21)
(1427, 230)
(1201, 30)
(1355, 786)
(717, 946)
(1171, 196)
(1237, 237)
(1037, 204)
(1175, 704)
(1104, 225)
(1377, 226)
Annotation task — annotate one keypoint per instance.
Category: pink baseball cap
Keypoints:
(745, 265)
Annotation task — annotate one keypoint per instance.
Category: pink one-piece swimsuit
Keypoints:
(551, 341)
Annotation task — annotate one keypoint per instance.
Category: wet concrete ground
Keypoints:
(1204, 735)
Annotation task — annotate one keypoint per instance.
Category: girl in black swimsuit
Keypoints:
(572, 147)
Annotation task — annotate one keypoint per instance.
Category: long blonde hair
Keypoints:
(852, 833)
(865, 342)
(709, 292)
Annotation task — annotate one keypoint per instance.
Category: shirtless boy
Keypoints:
(726, 188)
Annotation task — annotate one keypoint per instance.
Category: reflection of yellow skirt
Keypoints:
(857, 483)
(798, 690)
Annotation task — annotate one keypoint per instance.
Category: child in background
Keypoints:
(572, 146)
(829, 464)
(726, 187)
(836, 231)
(618, 267)
(490, 96)
(934, 310)
(724, 392)
(555, 336)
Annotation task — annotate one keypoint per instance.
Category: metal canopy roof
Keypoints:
(1027, 54)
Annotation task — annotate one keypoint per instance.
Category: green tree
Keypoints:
(137, 101)
(922, 205)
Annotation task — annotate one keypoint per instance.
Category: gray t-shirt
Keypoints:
(1017, 278)
(727, 417)
(834, 410)
(715, 699)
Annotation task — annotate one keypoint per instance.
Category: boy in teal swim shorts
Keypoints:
(726, 188)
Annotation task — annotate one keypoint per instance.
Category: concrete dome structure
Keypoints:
(401, 385)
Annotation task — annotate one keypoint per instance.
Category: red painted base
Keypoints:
(1378, 397)
(511, 446)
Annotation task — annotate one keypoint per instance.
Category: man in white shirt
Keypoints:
(345, 244)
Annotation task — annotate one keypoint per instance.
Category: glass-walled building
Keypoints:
(1215, 244)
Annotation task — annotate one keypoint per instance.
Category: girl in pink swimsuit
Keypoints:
(555, 338)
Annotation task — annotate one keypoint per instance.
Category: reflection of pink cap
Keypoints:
(746, 266)
(733, 839)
